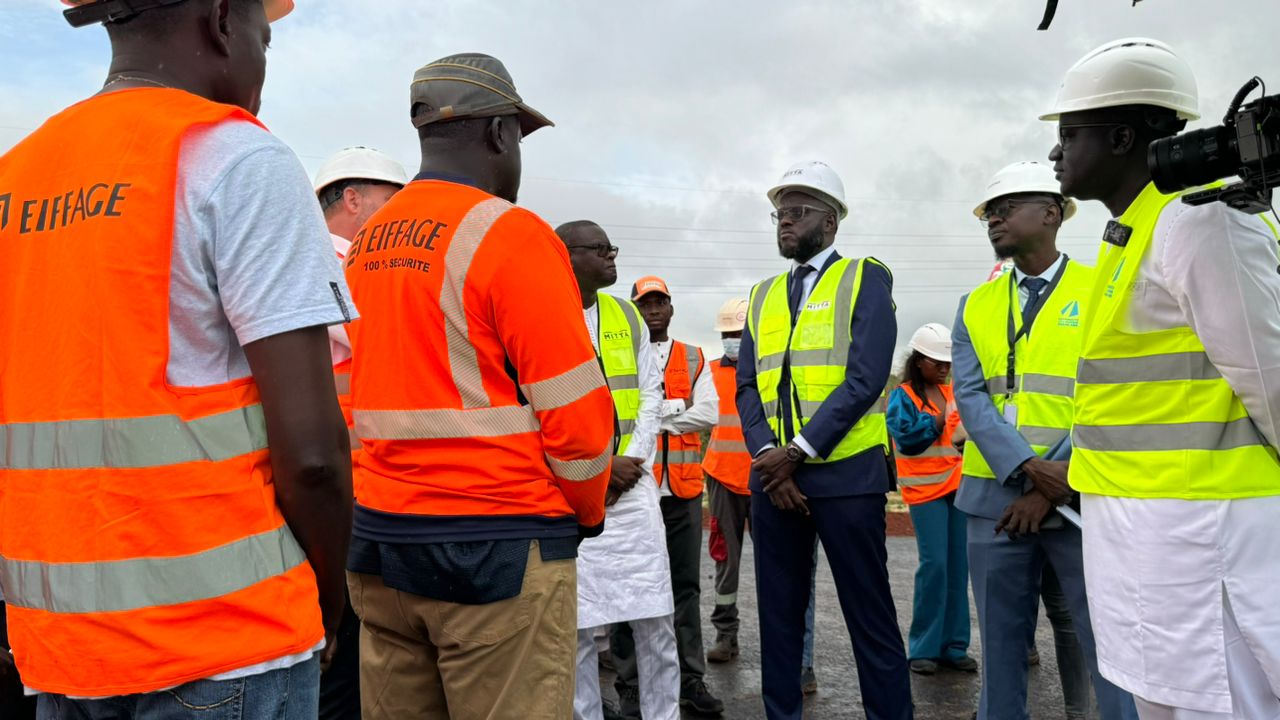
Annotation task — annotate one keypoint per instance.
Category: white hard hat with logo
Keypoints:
(813, 177)
(360, 163)
(1025, 177)
(1130, 71)
(732, 316)
(932, 340)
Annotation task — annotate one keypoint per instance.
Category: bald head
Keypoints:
(574, 230)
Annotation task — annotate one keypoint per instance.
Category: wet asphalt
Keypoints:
(949, 695)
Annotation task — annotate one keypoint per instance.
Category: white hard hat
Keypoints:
(1130, 71)
(932, 340)
(360, 163)
(1024, 177)
(732, 316)
(813, 176)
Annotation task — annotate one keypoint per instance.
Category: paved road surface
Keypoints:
(947, 696)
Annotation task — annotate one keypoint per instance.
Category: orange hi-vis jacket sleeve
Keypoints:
(476, 392)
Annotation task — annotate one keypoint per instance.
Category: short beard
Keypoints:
(806, 246)
(1005, 253)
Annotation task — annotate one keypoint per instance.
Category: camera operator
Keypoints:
(1177, 406)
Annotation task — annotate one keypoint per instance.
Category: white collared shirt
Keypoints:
(1047, 276)
(817, 262)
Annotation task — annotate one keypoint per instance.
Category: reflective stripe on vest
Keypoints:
(934, 473)
(620, 335)
(1154, 417)
(151, 550)
(816, 352)
(679, 456)
(1044, 383)
(727, 459)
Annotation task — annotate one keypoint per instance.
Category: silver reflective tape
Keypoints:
(580, 470)
(726, 598)
(1046, 436)
(342, 382)
(120, 585)
(772, 361)
(809, 408)
(462, 249)
(1160, 438)
(565, 388)
(1048, 385)
(1000, 385)
(730, 421)
(627, 426)
(132, 442)
(633, 320)
(1150, 368)
(441, 424)
(843, 336)
(682, 457)
(917, 481)
(354, 439)
(936, 451)
(758, 295)
(623, 382)
(727, 446)
(693, 360)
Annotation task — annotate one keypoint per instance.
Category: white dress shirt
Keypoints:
(1047, 276)
(702, 414)
(339, 344)
(1214, 269)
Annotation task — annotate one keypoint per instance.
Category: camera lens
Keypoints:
(1195, 158)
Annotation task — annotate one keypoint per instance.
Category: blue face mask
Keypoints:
(731, 346)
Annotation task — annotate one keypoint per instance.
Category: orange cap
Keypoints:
(649, 284)
(276, 9)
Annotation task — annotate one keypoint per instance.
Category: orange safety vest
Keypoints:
(141, 546)
(935, 472)
(727, 458)
(446, 425)
(679, 456)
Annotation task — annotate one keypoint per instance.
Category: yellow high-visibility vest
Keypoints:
(1154, 417)
(816, 352)
(619, 352)
(1044, 366)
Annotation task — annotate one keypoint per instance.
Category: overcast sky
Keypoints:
(673, 118)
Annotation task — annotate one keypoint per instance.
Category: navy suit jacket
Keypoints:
(874, 332)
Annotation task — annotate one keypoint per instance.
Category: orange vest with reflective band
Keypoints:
(727, 458)
(141, 546)
(464, 405)
(678, 456)
(935, 472)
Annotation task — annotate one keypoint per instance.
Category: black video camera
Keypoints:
(1246, 144)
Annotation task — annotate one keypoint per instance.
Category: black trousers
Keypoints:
(340, 684)
(852, 530)
(683, 519)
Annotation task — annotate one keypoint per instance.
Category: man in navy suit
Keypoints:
(813, 365)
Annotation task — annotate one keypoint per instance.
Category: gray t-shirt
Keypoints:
(252, 255)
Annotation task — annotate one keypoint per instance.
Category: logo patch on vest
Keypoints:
(818, 305)
(1115, 278)
(1069, 316)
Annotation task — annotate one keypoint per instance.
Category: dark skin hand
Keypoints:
(623, 475)
(775, 469)
(1050, 478)
(310, 457)
(1024, 515)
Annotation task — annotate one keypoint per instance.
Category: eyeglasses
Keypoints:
(1064, 138)
(604, 250)
(936, 363)
(795, 213)
(1004, 208)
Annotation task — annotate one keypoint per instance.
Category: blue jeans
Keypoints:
(291, 693)
(807, 659)
(940, 610)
